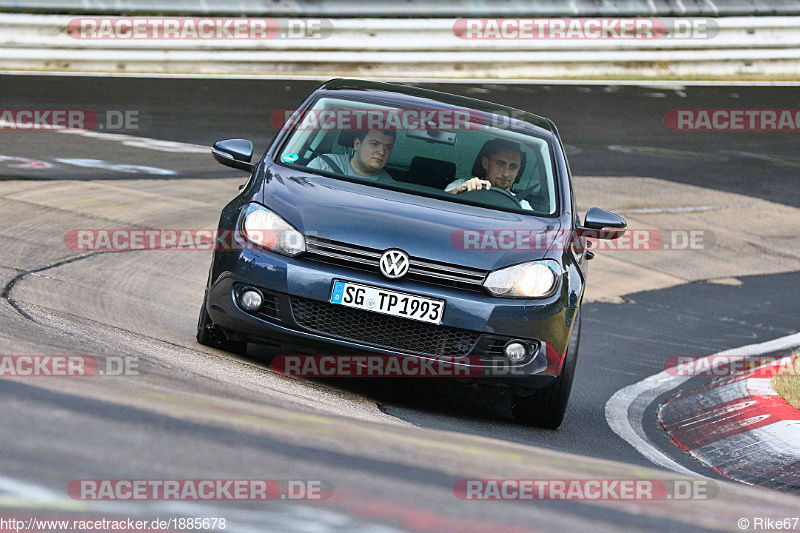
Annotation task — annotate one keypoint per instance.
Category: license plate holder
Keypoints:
(387, 301)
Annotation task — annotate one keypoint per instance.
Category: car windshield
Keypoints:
(430, 152)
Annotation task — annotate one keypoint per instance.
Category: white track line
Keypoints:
(23, 489)
(654, 83)
(687, 209)
(239, 520)
(625, 409)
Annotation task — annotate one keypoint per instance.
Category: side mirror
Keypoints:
(234, 153)
(602, 224)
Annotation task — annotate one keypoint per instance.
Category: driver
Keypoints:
(502, 163)
(372, 151)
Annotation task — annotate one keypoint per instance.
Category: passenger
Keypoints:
(372, 152)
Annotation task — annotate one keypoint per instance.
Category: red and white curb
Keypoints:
(741, 428)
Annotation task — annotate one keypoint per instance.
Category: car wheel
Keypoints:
(545, 408)
(209, 334)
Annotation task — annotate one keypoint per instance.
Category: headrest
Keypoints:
(346, 138)
(435, 173)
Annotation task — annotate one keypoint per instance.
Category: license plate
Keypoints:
(387, 302)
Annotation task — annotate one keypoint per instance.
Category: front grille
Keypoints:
(496, 348)
(363, 258)
(269, 308)
(382, 331)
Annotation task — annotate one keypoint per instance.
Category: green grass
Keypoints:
(788, 386)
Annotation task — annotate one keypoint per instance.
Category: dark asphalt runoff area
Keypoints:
(399, 446)
(590, 118)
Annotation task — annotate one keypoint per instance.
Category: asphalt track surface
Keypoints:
(392, 449)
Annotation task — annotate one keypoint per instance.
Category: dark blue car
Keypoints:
(393, 220)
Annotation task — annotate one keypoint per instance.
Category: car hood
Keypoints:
(423, 227)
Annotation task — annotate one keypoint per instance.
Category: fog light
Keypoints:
(516, 351)
(251, 299)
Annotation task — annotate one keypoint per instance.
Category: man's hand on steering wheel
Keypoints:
(474, 184)
(491, 196)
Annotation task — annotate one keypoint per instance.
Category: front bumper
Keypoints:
(297, 316)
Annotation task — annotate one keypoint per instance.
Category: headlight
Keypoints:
(536, 279)
(261, 226)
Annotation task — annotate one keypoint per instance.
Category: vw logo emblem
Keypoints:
(394, 264)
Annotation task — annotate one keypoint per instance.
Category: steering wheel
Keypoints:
(491, 197)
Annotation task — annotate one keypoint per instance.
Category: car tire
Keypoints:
(209, 334)
(545, 408)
